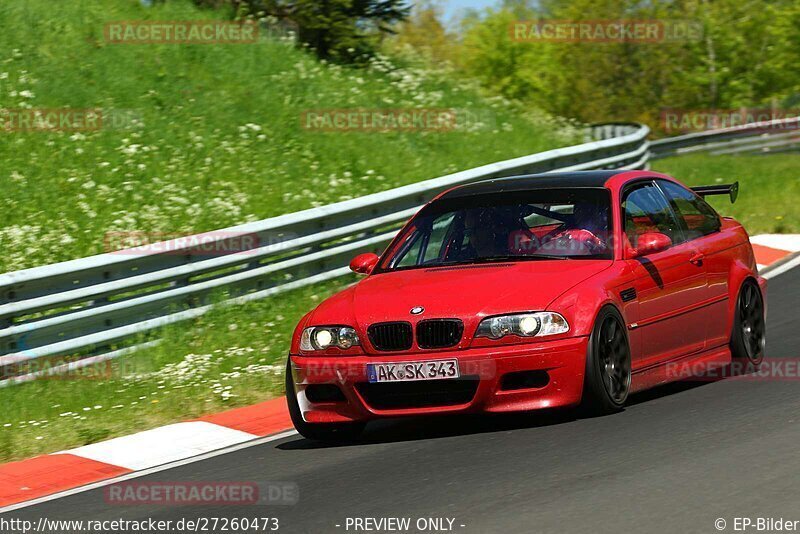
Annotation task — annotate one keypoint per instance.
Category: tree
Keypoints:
(424, 33)
(335, 29)
(519, 70)
(746, 57)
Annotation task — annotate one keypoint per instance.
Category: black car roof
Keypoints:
(528, 182)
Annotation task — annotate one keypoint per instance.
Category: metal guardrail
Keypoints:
(90, 306)
(759, 137)
(93, 306)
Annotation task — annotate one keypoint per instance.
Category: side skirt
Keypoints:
(684, 368)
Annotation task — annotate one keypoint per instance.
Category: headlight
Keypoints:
(323, 337)
(523, 325)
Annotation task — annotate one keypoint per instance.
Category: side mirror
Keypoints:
(364, 263)
(650, 242)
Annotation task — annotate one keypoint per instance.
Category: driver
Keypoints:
(485, 233)
(590, 217)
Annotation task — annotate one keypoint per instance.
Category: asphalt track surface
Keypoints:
(677, 459)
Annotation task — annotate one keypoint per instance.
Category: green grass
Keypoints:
(216, 136)
(769, 187)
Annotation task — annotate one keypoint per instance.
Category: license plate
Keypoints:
(410, 371)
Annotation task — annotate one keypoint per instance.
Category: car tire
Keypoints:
(327, 432)
(748, 338)
(608, 365)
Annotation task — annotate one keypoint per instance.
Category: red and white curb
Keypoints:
(49, 476)
(27, 481)
(772, 248)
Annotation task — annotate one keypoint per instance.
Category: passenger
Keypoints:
(585, 233)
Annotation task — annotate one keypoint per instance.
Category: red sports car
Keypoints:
(531, 292)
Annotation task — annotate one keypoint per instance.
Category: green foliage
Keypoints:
(514, 69)
(746, 56)
(424, 33)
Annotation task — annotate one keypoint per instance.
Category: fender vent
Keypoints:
(628, 294)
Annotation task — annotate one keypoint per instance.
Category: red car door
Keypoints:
(702, 225)
(668, 286)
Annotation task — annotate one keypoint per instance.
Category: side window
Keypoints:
(427, 244)
(698, 217)
(411, 255)
(646, 210)
(439, 234)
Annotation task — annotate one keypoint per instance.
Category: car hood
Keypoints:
(465, 291)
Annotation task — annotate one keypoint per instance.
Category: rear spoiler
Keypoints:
(731, 190)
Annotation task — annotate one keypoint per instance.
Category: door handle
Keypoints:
(697, 259)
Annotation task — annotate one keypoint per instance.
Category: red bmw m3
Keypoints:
(532, 292)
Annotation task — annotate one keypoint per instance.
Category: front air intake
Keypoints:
(419, 394)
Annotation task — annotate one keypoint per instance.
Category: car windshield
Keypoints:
(506, 226)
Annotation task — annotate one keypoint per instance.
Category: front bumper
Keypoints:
(562, 361)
